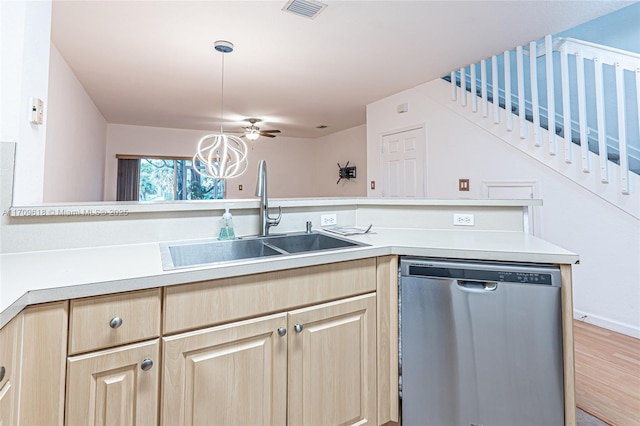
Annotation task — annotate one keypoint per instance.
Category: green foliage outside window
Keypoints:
(165, 179)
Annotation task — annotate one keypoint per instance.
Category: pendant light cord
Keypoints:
(222, 98)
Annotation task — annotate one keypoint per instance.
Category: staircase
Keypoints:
(593, 113)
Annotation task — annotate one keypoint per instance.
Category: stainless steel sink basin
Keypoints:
(188, 254)
(300, 243)
(180, 255)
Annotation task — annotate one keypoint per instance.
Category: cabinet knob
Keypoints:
(115, 322)
(298, 328)
(282, 331)
(2, 372)
(146, 364)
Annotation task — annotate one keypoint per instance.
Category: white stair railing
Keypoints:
(585, 121)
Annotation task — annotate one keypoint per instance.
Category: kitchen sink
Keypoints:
(186, 254)
(181, 255)
(300, 243)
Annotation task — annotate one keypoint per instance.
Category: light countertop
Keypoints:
(38, 277)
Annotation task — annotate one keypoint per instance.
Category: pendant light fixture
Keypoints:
(223, 156)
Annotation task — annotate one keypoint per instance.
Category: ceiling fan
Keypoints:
(253, 132)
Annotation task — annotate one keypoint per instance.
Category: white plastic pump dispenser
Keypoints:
(226, 230)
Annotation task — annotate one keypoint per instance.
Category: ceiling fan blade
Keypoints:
(268, 135)
(270, 131)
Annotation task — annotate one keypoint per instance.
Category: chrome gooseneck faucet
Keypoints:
(261, 191)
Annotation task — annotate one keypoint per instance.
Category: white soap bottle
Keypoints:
(226, 230)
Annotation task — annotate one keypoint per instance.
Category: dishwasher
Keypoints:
(480, 344)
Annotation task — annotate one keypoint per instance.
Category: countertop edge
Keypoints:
(190, 275)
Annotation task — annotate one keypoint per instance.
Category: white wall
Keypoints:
(607, 280)
(340, 147)
(297, 167)
(26, 28)
(76, 139)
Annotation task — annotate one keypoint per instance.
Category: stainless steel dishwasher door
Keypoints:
(478, 351)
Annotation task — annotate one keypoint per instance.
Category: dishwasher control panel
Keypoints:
(516, 273)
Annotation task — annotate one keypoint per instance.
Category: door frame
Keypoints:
(420, 126)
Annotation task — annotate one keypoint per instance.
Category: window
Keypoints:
(162, 179)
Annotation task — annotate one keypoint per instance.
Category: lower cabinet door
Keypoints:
(234, 374)
(8, 366)
(116, 386)
(332, 363)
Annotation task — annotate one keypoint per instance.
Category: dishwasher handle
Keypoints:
(477, 286)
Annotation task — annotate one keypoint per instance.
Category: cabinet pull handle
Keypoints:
(298, 328)
(282, 331)
(2, 372)
(146, 364)
(115, 322)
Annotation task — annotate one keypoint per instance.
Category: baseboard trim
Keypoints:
(609, 324)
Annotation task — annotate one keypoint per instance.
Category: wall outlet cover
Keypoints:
(463, 219)
(328, 220)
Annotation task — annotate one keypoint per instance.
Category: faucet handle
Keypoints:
(277, 220)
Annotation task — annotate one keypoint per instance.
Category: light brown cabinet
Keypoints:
(117, 386)
(235, 374)
(9, 367)
(318, 363)
(332, 363)
(32, 352)
(111, 379)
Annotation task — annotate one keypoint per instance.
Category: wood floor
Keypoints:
(607, 374)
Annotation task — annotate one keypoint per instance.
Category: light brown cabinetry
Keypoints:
(106, 321)
(235, 374)
(9, 367)
(192, 306)
(111, 379)
(312, 356)
(332, 363)
(117, 386)
(33, 351)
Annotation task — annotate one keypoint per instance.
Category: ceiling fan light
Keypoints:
(252, 134)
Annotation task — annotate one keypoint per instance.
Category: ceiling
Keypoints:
(152, 63)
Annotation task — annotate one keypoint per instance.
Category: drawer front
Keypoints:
(208, 303)
(105, 321)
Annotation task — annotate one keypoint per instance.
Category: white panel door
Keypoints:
(403, 158)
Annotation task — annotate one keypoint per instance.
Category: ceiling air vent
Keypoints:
(307, 8)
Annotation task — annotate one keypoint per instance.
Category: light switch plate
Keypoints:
(36, 111)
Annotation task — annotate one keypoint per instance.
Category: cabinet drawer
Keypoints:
(214, 302)
(101, 322)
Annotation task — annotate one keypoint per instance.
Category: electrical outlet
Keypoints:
(462, 219)
(328, 220)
